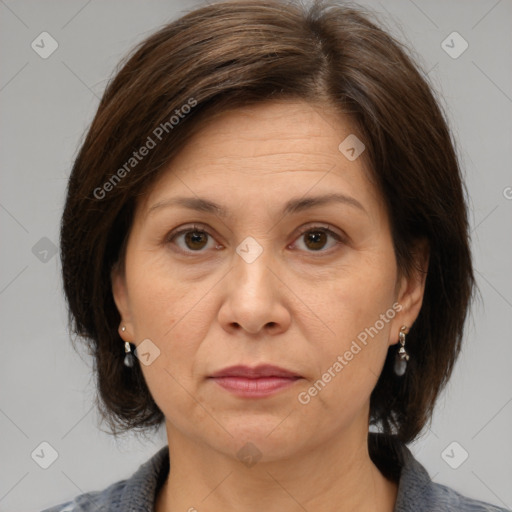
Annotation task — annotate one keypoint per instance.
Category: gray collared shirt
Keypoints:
(416, 491)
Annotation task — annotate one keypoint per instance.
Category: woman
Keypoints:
(265, 241)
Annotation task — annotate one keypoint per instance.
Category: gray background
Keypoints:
(46, 105)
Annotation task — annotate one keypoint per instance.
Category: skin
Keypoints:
(298, 305)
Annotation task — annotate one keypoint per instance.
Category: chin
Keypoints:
(262, 438)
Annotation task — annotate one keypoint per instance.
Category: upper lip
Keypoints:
(263, 370)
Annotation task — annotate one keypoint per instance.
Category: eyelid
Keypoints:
(196, 226)
(320, 226)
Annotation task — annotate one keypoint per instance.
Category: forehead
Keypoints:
(275, 127)
(261, 153)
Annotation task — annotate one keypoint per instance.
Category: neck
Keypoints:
(337, 472)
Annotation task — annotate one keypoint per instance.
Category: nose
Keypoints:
(255, 297)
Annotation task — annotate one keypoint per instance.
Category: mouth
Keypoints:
(257, 382)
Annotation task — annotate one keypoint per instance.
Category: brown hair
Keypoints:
(231, 54)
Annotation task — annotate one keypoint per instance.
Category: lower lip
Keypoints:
(255, 388)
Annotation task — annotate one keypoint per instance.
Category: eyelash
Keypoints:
(201, 229)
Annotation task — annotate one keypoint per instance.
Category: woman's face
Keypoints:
(311, 288)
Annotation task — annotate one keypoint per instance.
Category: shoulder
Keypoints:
(418, 493)
(136, 493)
(416, 490)
(95, 501)
(446, 499)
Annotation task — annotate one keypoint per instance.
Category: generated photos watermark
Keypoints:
(304, 397)
(151, 142)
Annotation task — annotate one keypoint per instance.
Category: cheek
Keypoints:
(158, 296)
(173, 317)
(170, 309)
(358, 309)
(363, 290)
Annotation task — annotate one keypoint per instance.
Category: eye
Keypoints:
(194, 239)
(316, 237)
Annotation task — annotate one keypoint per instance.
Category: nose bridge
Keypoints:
(251, 272)
(252, 297)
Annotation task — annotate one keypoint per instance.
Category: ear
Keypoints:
(120, 294)
(411, 289)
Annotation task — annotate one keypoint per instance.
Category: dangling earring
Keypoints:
(128, 358)
(402, 356)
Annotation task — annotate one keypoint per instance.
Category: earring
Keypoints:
(402, 356)
(128, 358)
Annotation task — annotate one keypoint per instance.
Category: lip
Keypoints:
(262, 370)
(258, 382)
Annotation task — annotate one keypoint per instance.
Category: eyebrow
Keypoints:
(292, 206)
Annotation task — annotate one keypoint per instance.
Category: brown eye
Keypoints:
(191, 239)
(196, 239)
(315, 239)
